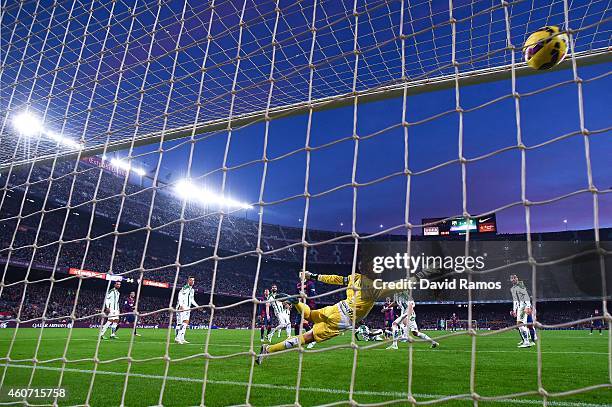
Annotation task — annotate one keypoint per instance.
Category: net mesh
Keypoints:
(58, 53)
(121, 74)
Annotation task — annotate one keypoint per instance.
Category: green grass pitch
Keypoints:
(570, 360)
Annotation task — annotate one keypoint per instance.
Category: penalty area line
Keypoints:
(302, 389)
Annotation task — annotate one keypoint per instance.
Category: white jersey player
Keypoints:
(408, 319)
(521, 308)
(184, 303)
(364, 333)
(402, 300)
(282, 313)
(111, 308)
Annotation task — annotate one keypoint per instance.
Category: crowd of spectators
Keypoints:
(80, 185)
(93, 220)
(60, 302)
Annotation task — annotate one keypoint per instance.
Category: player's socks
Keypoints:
(271, 334)
(404, 329)
(425, 337)
(261, 332)
(113, 328)
(182, 331)
(105, 327)
(524, 333)
(533, 334)
(288, 330)
(289, 343)
(395, 335)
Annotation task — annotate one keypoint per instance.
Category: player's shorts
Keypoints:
(329, 322)
(521, 313)
(412, 325)
(113, 314)
(130, 318)
(183, 315)
(283, 319)
(263, 321)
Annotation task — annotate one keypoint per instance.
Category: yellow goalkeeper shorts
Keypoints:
(329, 322)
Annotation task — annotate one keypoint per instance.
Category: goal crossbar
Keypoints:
(388, 91)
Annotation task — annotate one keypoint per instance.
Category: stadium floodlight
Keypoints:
(127, 166)
(65, 141)
(27, 124)
(187, 190)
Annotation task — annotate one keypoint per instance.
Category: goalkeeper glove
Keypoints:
(310, 276)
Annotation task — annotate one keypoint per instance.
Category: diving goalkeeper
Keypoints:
(330, 321)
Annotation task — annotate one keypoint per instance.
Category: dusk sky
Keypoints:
(552, 170)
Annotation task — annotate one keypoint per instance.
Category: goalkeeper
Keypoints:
(330, 321)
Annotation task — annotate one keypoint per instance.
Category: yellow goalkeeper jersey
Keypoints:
(360, 293)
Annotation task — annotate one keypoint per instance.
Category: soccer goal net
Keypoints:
(146, 146)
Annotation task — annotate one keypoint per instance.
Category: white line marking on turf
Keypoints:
(293, 388)
(256, 345)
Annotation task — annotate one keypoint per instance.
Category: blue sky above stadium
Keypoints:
(553, 169)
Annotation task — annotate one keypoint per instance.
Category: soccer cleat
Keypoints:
(184, 342)
(525, 345)
(179, 341)
(392, 346)
(262, 352)
(310, 345)
(269, 337)
(434, 345)
(114, 337)
(103, 337)
(137, 334)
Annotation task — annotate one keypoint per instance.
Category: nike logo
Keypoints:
(483, 220)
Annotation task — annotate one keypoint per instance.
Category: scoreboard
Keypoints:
(459, 225)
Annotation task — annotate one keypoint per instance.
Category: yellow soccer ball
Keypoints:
(545, 48)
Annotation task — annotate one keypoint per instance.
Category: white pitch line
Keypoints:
(306, 389)
(256, 345)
